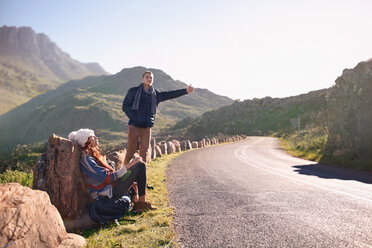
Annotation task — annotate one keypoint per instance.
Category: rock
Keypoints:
(58, 173)
(188, 145)
(171, 148)
(153, 151)
(194, 144)
(177, 144)
(163, 147)
(153, 141)
(153, 148)
(28, 219)
(183, 145)
(349, 116)
(73, 241)
(148, 155)
(158, 151)
(118, 157)
(200, 144)
(204, 142)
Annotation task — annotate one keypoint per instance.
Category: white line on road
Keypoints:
(291, 174)
(240, 155)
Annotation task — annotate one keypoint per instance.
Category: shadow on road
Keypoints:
(330, 172)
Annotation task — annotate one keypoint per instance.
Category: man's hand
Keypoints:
(189, 89)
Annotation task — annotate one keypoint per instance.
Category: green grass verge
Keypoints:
(307, 145)
(149, 229)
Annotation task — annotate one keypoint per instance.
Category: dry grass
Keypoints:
(307, 145)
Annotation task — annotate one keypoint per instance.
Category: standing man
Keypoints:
(140, 106)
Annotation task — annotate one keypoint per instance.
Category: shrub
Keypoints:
(23, 178)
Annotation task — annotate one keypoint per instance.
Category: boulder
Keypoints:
(148, 155)
(171, 148)
(194, 144)
(153, 141)
(163, 147)
(153, 148)
(200, 144)
(158, 151)
(177, 144)
(183, 145)
(204, 142)
(188, 145)
(57, 172)
(118, 157)
(73, 241)
(28, 219)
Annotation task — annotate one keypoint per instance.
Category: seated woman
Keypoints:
(100, 177)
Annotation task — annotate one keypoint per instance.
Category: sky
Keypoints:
(241, 49)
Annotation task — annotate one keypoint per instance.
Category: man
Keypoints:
(140, 106)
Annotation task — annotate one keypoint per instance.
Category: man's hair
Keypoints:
(147, 72)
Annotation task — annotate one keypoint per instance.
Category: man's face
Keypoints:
(147, 79)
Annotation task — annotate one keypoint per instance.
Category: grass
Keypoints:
(307, 145)
(149, 229)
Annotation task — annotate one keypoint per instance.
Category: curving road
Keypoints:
(252, 194)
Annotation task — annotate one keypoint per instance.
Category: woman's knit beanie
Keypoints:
(81, 136)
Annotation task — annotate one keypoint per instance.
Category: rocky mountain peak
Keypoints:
(31, 63)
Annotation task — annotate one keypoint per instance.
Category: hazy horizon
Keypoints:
(242, 50)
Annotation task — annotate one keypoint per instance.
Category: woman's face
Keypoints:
(93, 141)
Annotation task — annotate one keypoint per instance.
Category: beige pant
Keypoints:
(143, 134)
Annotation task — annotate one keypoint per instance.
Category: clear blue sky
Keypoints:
(241, 49)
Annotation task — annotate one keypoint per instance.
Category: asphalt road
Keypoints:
(252, 194)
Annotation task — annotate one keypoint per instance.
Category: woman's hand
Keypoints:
(135, 160)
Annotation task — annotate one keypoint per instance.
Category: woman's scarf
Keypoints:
(137, 98)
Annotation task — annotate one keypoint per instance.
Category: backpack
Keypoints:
(105, 210)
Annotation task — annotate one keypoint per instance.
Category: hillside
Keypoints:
(257, 117)
(350, 117)
(95, 102)
(31, 64)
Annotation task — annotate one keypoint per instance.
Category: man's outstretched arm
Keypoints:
(167, 95)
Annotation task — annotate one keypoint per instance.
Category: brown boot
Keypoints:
(143, 206)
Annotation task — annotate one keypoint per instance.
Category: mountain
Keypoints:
(96, 102)
(31, 64)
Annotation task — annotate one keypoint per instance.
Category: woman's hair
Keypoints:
(95, 153)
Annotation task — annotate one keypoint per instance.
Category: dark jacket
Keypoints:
(143, 117)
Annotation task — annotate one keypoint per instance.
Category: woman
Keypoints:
(100, 177)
